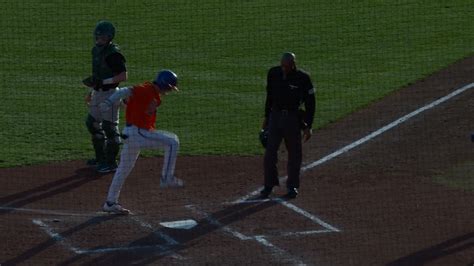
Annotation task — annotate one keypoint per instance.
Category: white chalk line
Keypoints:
(387, 127)
(274, 250)
(278, 251)
(171, 241)
(296, 234)
(308, 215)
(216, 223)
(358, 143)
(55, 236)
(165, 249)
(292, 207)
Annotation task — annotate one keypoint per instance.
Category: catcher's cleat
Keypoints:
(174, 182)
(292, 193)
(115, 208)
(266, 191)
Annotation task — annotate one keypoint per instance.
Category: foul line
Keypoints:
(370, 136)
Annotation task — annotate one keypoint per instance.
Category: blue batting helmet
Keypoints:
(166, 80)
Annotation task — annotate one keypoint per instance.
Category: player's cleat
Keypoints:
(266, 191)
(174, 182)
(91, 162)
(292, 193)
(115, 208)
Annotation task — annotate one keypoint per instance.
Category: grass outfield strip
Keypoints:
(356, 52)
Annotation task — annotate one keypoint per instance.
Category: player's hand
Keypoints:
(307, 133)
(105, 106)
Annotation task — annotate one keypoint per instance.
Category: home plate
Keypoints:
(182, 224)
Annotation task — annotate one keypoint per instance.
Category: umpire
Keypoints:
(288, 89)
(108, 70)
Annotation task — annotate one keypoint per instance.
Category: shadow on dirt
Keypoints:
(20, 199)
(186, 238)
(440, 250)
(53, 241)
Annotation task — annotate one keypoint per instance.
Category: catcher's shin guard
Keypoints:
(113, 142)
(98, 138)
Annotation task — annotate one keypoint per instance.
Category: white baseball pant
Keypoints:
(138, 139)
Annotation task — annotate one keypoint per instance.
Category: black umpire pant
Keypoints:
(283, 125)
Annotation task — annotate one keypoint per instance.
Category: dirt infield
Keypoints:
(392, 200)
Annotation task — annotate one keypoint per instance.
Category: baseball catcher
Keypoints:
(108, 70)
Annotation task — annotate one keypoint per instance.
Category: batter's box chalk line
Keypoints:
(280, 255)
(315, 219)
(163, 250)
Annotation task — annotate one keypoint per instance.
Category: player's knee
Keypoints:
(174, 141)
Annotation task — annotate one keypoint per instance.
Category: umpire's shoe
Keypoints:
(266, 191)
(292, 192)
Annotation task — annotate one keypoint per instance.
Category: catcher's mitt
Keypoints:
(92, 82)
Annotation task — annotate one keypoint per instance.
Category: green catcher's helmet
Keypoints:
(104, 27)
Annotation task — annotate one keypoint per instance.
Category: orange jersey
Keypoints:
(141, 106)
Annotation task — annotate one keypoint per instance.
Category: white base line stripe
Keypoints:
(370, 136)
(310, 216)
(387, 127)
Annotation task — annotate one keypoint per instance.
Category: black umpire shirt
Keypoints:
(289, 93)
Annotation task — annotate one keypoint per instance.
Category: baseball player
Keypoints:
(287, 89)
(108, 70)
(140, 133)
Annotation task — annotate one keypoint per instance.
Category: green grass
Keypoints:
(356, 51)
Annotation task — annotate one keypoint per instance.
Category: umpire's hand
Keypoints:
(307, 133)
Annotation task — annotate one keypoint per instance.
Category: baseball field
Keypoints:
(387, 178)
